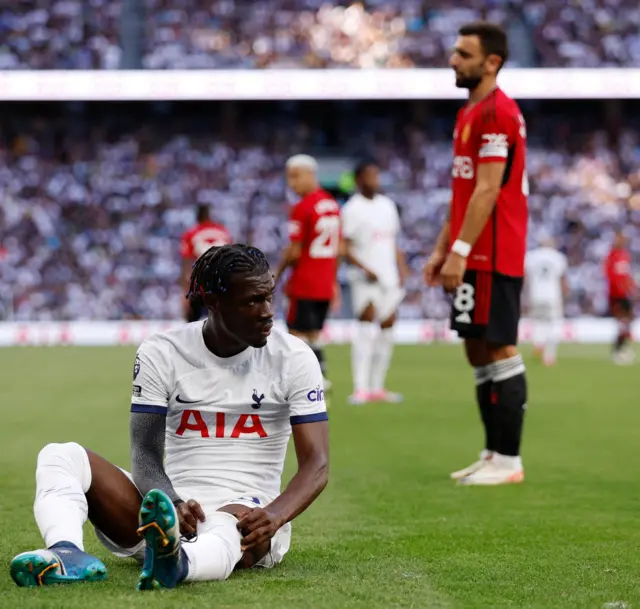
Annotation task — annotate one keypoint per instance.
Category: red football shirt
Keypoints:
(618, 271)
(197, 240)
(314, 222)
(493, 130)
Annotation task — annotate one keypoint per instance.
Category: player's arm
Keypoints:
(349, 230)
(308, 415)
(347, 249)
(483, 200)
(147, 427)
(289, 258)
(293, 251)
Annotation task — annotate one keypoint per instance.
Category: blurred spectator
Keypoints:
(91, 207)
(210, 34)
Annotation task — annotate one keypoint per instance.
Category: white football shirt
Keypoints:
(544, 269)
(228, 419)
(373, 226)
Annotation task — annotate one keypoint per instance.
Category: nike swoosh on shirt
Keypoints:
(186, 401)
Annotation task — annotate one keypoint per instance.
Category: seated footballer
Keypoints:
(221, 396)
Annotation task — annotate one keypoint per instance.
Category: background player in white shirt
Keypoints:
(222, 396)
(546, 285)
(370, 228)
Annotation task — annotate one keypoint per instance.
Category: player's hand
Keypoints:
(432, 269)
(370, 276)
(452, 272)
(189, 514)
(258, 526)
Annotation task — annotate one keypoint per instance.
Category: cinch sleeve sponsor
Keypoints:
(150, 394)
(306, 393)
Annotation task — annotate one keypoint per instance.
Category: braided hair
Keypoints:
(213, 271)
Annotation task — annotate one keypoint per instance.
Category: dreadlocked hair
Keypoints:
(212, 272)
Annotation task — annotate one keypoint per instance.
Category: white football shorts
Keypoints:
(280, 542)
(546, 310)
(385, 299)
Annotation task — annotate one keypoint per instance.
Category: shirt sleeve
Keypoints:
(348, 221)
(297, 220)
(496, 136)
(306, 393)
(150, 391)
(186, 251)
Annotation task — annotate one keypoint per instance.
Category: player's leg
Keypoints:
(213, 555)
(383, 347)
(468, 318)
(623, 313)
(552, 338)
(364, 336)
(508, 384)
(305, 319)
(73, 484)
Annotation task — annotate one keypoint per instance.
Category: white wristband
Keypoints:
(461, 248)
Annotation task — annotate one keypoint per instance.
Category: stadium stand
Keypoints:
(93, 203)
(199, 34)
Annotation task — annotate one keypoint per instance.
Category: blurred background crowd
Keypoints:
(211, 34)
(95, 197)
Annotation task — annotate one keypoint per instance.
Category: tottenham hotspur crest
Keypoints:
(136, 368)
(257, 399)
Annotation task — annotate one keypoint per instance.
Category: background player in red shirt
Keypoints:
(193, 243)
(621, 293)
(314, 234)
(480, 252)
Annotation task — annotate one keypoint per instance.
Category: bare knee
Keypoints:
(501, 352)
(477, 352)
(389, 322)
(368, 314)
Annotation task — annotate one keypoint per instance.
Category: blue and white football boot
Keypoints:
(165, 562)
(62, 563)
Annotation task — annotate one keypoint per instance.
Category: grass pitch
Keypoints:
(391, 530)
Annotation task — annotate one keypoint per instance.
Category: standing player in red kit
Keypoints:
(193, 243)
(621, 292)
(479, 255)
(314, 234)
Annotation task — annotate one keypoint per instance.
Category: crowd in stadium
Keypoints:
(68, 34)
(92, 215)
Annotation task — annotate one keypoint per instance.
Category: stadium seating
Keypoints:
(194, 34)
(92, 212)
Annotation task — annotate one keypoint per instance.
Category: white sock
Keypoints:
(551, 344)
(507, 462)
(540, 334)
(216, 551)
(361, 355)
(63, 476)
(382, 352)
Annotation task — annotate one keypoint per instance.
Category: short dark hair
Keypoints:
(493, 38)
(362, 164)
(202, 213)
(213, 271)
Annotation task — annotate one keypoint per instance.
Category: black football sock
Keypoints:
(510, 391)
(319, 353)
(484, 387)
(624, 333)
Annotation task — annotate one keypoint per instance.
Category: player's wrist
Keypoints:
(461, 248)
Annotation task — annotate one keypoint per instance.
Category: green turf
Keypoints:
(391, 530)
